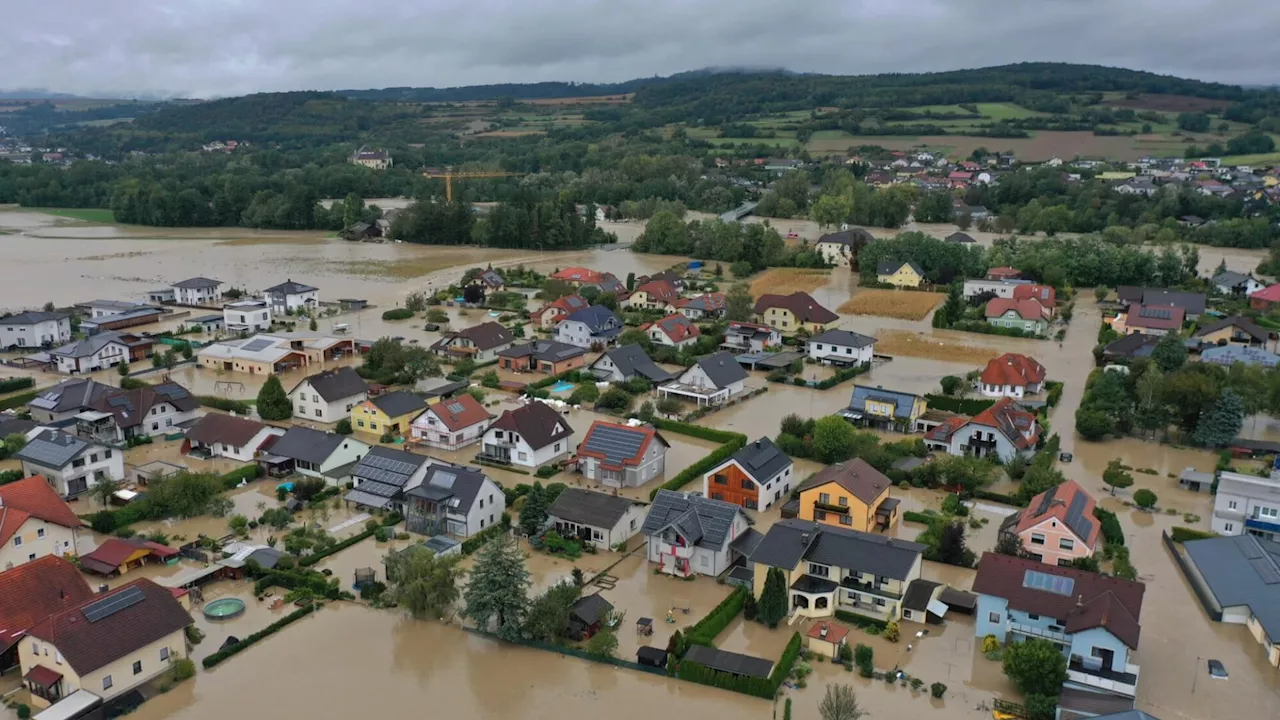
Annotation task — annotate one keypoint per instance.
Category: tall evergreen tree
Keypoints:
(498, 592)
(773, 599)
(1221, 423)
(273, 402)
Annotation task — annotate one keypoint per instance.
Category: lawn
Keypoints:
(1005, 111)
(1270, 158)
(900, 304)
(94, 215)
(782, 142)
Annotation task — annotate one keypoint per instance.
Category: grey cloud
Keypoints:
(228, 47)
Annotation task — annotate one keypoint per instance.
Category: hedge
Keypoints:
(998, 497)
(919, 517)
(132, 383)
(8, 476)
(1183, 534)
(397, 314)
(269, 630)
(703, 675)
(312, 559)
(244, 474)
(106, 521)
(714, 458)
(1055, 392)
(861, 621)
(1112, 533)
(238, 407)
(16, 383)
(964, 406)
(783, 668)
(704, 631)
(842, 375)
(475, 542)
(17, 401)
(698, 431)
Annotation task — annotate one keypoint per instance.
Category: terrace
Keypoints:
(699, 395)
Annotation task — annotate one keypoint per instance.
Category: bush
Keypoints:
(490, 379)
(183, 669)
(18, 400)
(1112, 533)
(1181, 534)
(316, 557)
(704, 632)
(397, 314)
(616, 399)
(923, 518)
(343, 427)
(269, 630)
(1144, 499)
(937, 690)
(891, 632)
(861, 621)
(477, 541)
(24, 711)
(8, 385)
(224, 404)
(547, 471)
(990, 644)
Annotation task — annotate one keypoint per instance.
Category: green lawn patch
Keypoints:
(94, 215)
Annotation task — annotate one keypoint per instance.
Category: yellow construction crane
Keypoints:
(449, 175)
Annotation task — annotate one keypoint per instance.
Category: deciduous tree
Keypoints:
(424, 582)
(840, 703)
(1036, 667)
(1115, 476)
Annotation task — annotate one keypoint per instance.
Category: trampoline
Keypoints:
(562, 386)
(224, 609)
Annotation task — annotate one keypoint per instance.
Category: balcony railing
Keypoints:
(1121, 683)
(851, 584)
(828, 507)
(680, 551)
(1039, 632)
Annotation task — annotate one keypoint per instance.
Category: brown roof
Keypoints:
(1012, 420)
(1155, 317)
(1013, 369)
(835, 633)
(225, 429)
(1095, 600)
(486, 335)
(677, 327)
(130, 407)
(659, 291)
(801, 304)
(33, 591)
(32, 497)
(857, 476)
(460, 412)
(88, 645)
(536, 422)
(1028, 309)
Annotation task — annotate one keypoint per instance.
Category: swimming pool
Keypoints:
(562, 386)
(224, 609)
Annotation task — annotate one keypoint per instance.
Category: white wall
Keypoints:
(162, 418)
(574, 333)
(245, 453)
(96, 459)
(198, 296)
(109, 355)
(255, 318)
(977, 287)
(49, 332)
(487, 509)
(308, 404)
(821, 351)
(280, 304)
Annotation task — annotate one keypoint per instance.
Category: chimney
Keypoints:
(804, 538)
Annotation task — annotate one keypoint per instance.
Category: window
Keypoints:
(1231, 504)
(360, 423)
(1269, 512)
(819, 570)
(315, 398)
(880, 602)
(557, 447)
(824, 498)
(481, 503)
(597, 535)
(106, 683)
(846, 520)
(1031, 616)
(93, 457)
(17, 541)
(819, 515)
(523, 456)
(1066, 544)
(746, 484)
(137, 667)
(39, 532)
(993, 617)
(1228, 527)
(77, 463)
(844, 502)
(1037, 538)
(720, 479)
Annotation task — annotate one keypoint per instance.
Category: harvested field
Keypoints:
(902, 342)
(900, 304)
(508, 133)
(1044, 144)
(784, 281)
(590, 100)
(1169, 103)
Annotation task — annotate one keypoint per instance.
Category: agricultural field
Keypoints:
(900, 304)
(93, 215)
(911, 344)
(1164, 103)
(784, 281)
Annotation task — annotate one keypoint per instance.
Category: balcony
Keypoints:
(1257, 523)
(828, 507)
(1120, 683)
(1039, 632)
(680, 551)
(850, 584)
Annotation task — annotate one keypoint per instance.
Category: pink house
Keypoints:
(1058, 526)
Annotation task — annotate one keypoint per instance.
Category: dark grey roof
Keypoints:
(70, 395)
(761, 460)
(918, 594)
(307, 445)
(387, 466)
(1192, 303)
(52, 449)
(631, 360)
(447, 389)
(538, 423)
(444, 481)
(1245, 325)
(89, 345)
(1126, 715)
(788, 541)
(33, 317)
(729, 662)
(540, 350)
(1231, 278)
(708, 520)
(590, 609)
(15, 426)
(599, 320)
(889, 267)
(959, 237)
(722, 369)
(844, 338)
(902, 401)
(485, 336)
(289, 287)
(334, 385)
(1242, 570)
(848, 237)
(399, 402)
(1132, 346)
(586, 507)
(197, 282)
(748, 541)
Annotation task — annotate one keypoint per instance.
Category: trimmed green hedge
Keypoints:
(703, 675)
(703, 466)
(392, 519)
(919, 517)
(842, 375)
(16, 383)
(238, 407)
(8, 476)
(704, 631)
(269, 630)
(698, 431)
(475, 542)
(1055, 392)
(17, 401)
(132, 383)
(1112, 533)
(397, 314)
(782, 669)
(964, 406)
(1184, 534)
(998, 497)
(861, 621)
(244, 474)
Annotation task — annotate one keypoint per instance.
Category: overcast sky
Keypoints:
(204, 48)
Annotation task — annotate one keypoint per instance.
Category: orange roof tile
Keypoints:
(1013, 369)
(33, 591)
(32, 497)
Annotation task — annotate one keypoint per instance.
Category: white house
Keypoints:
(711, 381)
(452, 423)
(452, 499)
(602, 520)
(249, 315)
(750, 337)
(689, 534)
(591, 325)
(71, 464)
(998, 288)
(319, 454)
(230, 437)
(289, 297)
(841, 347)
(34, 329)
(674, 331)
(617, 455)
(43, 524)
(1247, 504)
(328, 396)
(1234, 283)
(530, 436)
(96, 352)
(1011, 375)
(197, 291)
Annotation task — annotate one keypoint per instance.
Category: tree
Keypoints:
(1144, 499)
(13, 442)
(1116, 476)
(423, 582)
(1170, 353)
(1152, 414)
(669, 406)
(239, 525)
(314, 325)
(840, 703)
(833, 439)
(950, 384)
(631, 281)
(739, 306)
(123, 369)
(273, 403)
(533, 513)
(1221, 423)
(343, 427)
(102, 490)
(1009, 544)
(773, 598)
(951, 546)
(1093, 424)
(831, 210)
(1036, 667)
(604, 644)
(548, 617)
(498, 590)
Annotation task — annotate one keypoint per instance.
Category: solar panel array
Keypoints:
(454, 407)
(1156, 312)
(176, 392)
(615, 443)
(763, 457)
(257, 344)
(107, 607)
(1055, 584)
(384, 470)
(378, 488)
(1076, 519)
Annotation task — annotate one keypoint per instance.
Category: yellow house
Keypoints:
(34, 522)
(828, 568)
(107, 645)
(905, 274)
(883, 409)
(852, 495)
(794, 312)
(388, 414)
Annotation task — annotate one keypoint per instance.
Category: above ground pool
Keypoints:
(562, 386)
(224, 609)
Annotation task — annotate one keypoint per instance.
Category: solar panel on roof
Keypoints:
(381, 489)
(386, 463)
(256, 345)
(1055, 584)
(107, 607)
(762, 458)
(454, 407)
(615, 443)
(443, 479)
(1076, 519)
(1159, 313)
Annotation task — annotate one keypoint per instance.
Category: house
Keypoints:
(101, 351)
(750, 337)
(387, 414)
(34, 329)
(328, 396)
(1191, 303)
(70, 464)
(274, 353)
(34, 523)
(117, 556)
(899, 274)
(628, 362)
(1240, 574)
(885, 409)
(380, 478)
(1149, 320)
(840, 248)
(453, 500)
(959, 237)
(841, 347)
(67, 399)
(601, 520)
(587, 615)
(197, 291)
(1265, 298)
(1004, 273)
(653, 295)
(451, 424)
(829, 569)
(1247, 504)
(1057, 526)
(670, 276)
(673, 331)
(529, 436)
(826, 639)
(479, 343)
(791, 313)
(708, 306)
(1029, 315)
(1231, 282)
(230, 437)
(550, 315)
(542, 356)
(1011, 375)
(621, 456)
(1043, 294)
(325, 455)
(687, 534)
(852, 494)
(1092, 618)
(710, 381)
(107, 645)
(1237, 330)
(580, 277)
(1130, 347)
(116, 416)
(594, 325)
(993, 288)
(1005, 430)
(372, 159)
(1196, 481)
(292, 298)
(1229, 355)
(755, 477)
(490, 280)
(32, 591)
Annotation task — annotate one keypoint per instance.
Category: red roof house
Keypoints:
(1058, 525)
(117, 555)
(33, 591)
(1026, 309)
(1043, 294)
(1004, 273)
(621, 455)
(1265, 298)
(676, 330)
(1012, 375)
(29, 498)
(548, 315)
(1154, 319)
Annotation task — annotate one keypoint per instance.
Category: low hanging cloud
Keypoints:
(206, 48)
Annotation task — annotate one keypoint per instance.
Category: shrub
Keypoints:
(269, 630)
(1144, 499)
(8, 385)
(397, 314)
(937, 690)
(1112, 533)
(704, 632)
(183, 669)
(490, 379)
(24, 711)
(343, 427)
(1183, 534)
(990, 644)
(964, 406)
(616, 399)
(862, 621)
(891, 632)
(547, 471)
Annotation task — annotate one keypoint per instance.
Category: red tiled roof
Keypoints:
(114, 551)
(1010, 419)
(997, 273)
(947, 428)
(1269, 294)
(33, 591)
(1095, 600)
(1154, 317)
(801, 304)
(1062, 495)
(835, 633)
(856, 475)
(659, 291)
(577, 274)
(677, 327)
(459, 412)
(43, 676)
(1027, 309)
(1013, 369)
(1044, 294)
(225, 429)
(32, 497)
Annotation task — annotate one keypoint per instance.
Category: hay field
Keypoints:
(900, 304)
(902, 342)
(784, 281)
